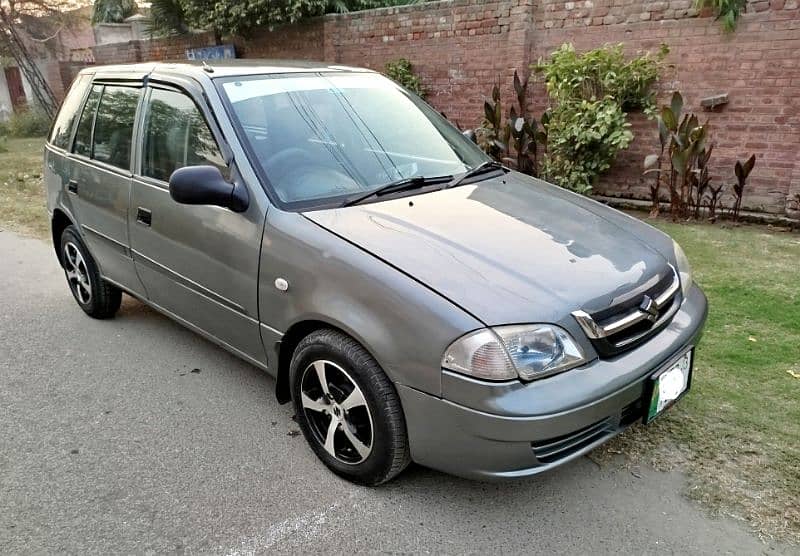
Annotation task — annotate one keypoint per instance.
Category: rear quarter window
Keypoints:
(61, 133)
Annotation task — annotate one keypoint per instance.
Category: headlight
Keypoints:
(684, 269)
(527, 351)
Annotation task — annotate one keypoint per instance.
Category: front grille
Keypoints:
(627, 324)
(554, 449)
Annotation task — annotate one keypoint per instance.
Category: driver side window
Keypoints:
(176, 135)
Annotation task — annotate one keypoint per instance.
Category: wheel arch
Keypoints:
(58, 223)
(289, 341)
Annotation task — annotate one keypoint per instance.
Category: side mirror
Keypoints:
(470, 134)
(205, 185)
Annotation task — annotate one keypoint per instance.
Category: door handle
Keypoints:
(144, 216)
(72, 186)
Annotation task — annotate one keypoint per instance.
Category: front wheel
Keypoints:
(348, 409)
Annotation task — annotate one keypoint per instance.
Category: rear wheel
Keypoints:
(96, 297)
(348, 409)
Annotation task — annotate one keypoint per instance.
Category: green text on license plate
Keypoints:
(669, 385)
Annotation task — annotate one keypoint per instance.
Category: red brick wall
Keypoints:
(758, 66)
(304, 41)
(147, 50)
(461, 47)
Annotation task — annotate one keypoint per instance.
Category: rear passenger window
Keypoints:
(83, 136)
(113, 128)
(176, 135)
(70, 108)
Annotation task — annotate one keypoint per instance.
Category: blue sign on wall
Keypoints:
(211, 52)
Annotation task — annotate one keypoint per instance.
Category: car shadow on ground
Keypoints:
(135, 311)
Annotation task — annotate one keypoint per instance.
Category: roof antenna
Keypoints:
(207, 68)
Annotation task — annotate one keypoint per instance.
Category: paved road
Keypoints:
(136, 436)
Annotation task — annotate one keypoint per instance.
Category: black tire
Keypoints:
(103, 299)
(389, 450)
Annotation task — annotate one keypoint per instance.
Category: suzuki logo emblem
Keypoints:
(649, 307)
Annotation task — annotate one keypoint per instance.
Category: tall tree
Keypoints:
(112, 11)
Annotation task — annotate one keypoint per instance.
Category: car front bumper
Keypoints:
(486, 430)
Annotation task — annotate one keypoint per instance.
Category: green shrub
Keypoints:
(686, 148)
(583, 138)
(3, 144)
(401, 71)
(603, 72)
(29, 122)
(586, 126)
(727, 11)
(514, 140)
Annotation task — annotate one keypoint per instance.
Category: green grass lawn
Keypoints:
(738, 431)
(22, 201)
(737, 434)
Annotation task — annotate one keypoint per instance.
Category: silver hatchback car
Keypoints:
(413, 299)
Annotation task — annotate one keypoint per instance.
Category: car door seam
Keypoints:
(124, 248)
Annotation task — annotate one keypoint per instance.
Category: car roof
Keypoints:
(222, 68)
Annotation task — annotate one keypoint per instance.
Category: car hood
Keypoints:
(510, 249)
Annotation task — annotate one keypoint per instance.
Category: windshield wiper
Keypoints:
(403, 184)
(483, 168)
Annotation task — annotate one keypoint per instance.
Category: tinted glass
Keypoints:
(113, 128)
(70, 108)
(83, 136)
(324, 136)
(176, 135)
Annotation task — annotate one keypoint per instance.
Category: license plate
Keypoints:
(667, 386)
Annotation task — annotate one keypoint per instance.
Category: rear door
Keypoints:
(100, 183)
(199, 263)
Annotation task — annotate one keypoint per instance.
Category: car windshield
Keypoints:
(322, 138)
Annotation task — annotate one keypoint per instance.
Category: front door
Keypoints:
(200, 263)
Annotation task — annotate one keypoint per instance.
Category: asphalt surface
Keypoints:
(137, 436)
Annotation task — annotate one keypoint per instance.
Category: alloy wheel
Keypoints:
(77, 273)
(337, 412)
